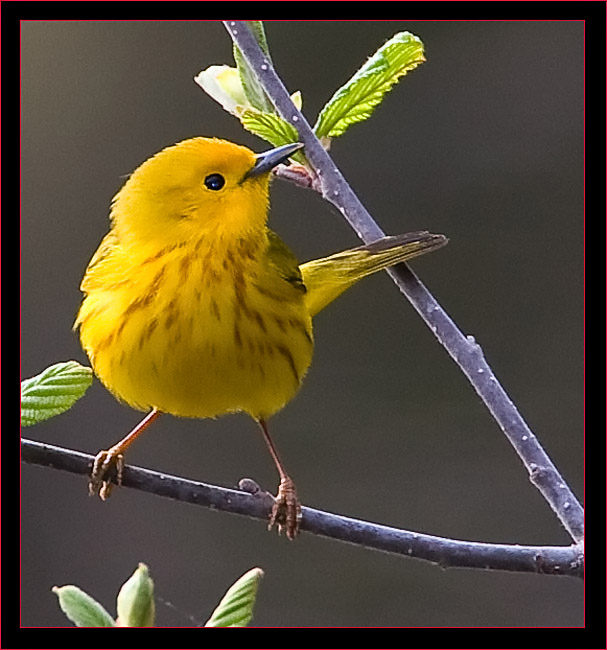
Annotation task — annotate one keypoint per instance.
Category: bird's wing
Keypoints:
(283, 260)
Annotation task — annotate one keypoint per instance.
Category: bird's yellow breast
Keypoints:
(197, 330)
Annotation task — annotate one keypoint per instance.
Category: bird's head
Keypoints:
(197, 186)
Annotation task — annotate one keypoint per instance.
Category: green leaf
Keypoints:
(256, 26)
(252, 88)
(272, 128)
(81, 609)
(236, 607)
(269, 126)
(53, 391)
(135, 603)
(357, 99)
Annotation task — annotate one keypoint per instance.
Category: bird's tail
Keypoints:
(327, 278)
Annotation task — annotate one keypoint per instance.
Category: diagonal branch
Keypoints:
(463, 349)
(255, 503)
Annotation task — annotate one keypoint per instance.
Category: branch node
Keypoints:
(249, 485)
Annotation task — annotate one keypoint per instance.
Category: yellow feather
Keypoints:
(194, 307)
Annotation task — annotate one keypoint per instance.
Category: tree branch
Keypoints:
(464, 350)
(255, 503)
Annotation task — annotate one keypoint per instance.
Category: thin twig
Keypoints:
(464, 350)
(256, 504)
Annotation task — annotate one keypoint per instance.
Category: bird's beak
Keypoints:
(266, 161)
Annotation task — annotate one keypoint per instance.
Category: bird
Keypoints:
(194, 308)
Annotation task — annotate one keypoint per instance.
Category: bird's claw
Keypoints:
(286, 511)
(99, 482)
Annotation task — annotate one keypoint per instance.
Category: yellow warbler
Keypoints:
(194, 307)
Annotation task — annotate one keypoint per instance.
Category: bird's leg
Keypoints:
(286, 512)
(99, 482)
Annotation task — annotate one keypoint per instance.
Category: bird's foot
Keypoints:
(106, 461)
(286, 511)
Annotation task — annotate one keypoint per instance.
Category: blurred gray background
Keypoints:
(484, 143)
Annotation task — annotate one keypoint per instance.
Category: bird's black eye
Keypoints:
(215, 181)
